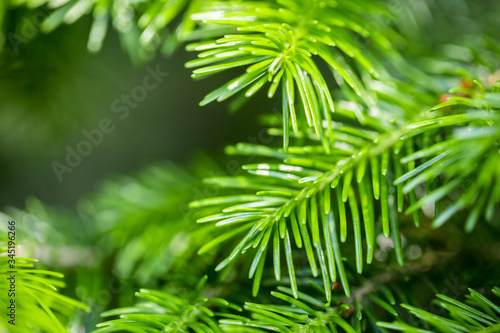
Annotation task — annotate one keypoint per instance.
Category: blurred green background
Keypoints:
(53, 89)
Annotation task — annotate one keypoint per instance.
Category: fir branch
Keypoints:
(476, 314)
(305, 314)
(305, 196)
(38, 305)
(164, 312)
(279, 43)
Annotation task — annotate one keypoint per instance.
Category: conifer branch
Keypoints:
(37, 306)
(281, 44)
(305, 196)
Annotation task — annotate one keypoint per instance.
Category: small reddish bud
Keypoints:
(336, 285)
(466, 83)
(444, 98)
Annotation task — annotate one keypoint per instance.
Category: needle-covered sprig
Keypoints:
(312, 198)
(476, 314)
(279, 45)
(160, 311)
(305, 314)
(308, 314)
(38, 306)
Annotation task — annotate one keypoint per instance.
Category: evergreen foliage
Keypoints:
(37, 300)
(164, 312)
(477, 314)
(387, 171)
(305, 194)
